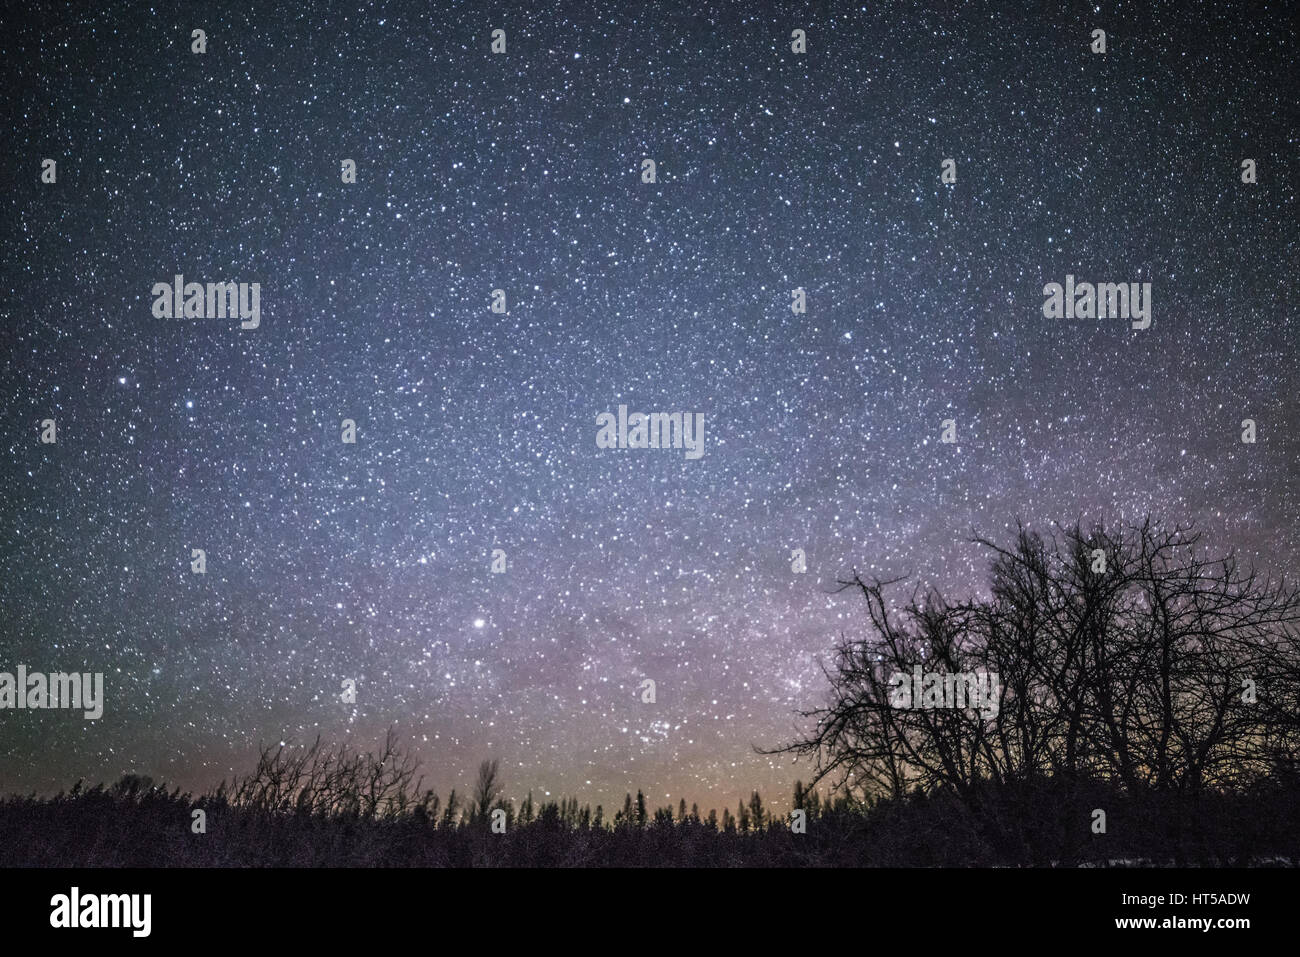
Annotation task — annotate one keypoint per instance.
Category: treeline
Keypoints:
(341, 783)
(1038, 824)
(333, 806)
(318, 807)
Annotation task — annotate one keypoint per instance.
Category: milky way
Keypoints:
(476, 430)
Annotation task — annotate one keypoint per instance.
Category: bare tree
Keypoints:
(1123, 656)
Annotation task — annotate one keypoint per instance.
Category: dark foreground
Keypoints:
(1045, 824)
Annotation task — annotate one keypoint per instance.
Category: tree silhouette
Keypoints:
(487, 789)
(1122, 656)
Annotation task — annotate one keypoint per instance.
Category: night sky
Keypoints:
(477, 430)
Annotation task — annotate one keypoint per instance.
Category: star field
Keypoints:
(476, 430)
